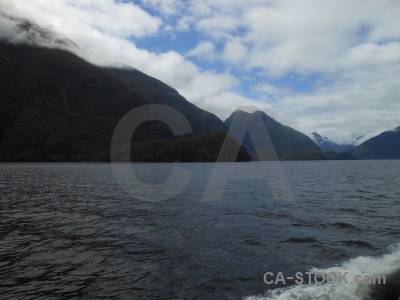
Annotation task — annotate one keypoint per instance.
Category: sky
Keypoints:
(315, 65)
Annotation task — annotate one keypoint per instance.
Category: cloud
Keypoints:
(19, 30)
(203, 50)
(218, 26)
(166, 7)
(235, 52)
(106, 16)
(217, 92)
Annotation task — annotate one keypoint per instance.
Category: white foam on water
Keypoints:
(362, 266)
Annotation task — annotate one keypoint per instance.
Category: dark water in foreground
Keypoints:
(70, 231)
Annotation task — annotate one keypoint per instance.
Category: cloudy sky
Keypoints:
(331, 66)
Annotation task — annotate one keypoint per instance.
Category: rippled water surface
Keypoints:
(70, 231)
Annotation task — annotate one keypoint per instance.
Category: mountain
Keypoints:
(285, 140)
(57, 107)
(384, 146)
(326, 145)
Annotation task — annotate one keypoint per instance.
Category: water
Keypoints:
(70, 231)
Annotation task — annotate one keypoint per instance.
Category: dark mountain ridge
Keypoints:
(383, 146)
(57, 107)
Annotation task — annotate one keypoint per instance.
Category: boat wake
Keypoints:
(364, 267)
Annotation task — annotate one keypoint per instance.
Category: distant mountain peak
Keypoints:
(249, 113)
(239, 111)
(245, 110)
(285, 140)
(326, 145)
